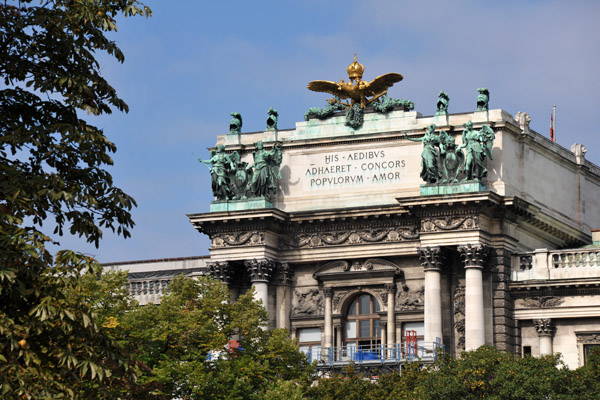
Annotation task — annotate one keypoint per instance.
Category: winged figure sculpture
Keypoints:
(357, 90)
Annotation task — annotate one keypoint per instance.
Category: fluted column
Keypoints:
(473, 256)
(260, 273)
(391, 313)
(431, 259)
(328, 293)
(545, 330)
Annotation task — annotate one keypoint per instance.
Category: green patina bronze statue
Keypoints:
(235, 125)
(272, 119)
(483, 99)
(266, 170)
(451, 158)
(429, 157)
(442, 103)
(220, 172)
(323, 113)
(478, 145)
(386, 104)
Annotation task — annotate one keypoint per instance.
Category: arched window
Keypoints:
(362, 326)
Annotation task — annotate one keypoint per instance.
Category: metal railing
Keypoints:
(385, 354)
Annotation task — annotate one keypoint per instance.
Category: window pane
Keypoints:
(352, 309)
(377, 327)
(350, 329)
(309, 335)
(364, 328)
(375, 306)
(364, 304)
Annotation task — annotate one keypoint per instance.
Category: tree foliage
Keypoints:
(52, 170)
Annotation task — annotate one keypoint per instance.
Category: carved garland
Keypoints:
(449, 223)
(238, 239)
(542, 302)
(323, 239)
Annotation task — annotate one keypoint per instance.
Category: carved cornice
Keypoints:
(474, 254)
(260, 270)
(351, 237)
(588, 337)
(431, 258)
(220, 270)
(543, 326)
(449, 223)
(221, 240)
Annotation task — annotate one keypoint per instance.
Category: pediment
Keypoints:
(370, 267)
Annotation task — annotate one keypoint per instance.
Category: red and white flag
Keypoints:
(552, 126)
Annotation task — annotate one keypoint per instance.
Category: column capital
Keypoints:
(383, 324)
(328, 291)
(544, 326)
(260, 270)
(390, 288)
(286, 272)
(337, 326)
(431, 258)
(220, 270)
(473, 254)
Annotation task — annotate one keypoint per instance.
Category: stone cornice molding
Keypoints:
(431, 258)
(544, 326)
(260, 270)
(370, 268)
(473, 254)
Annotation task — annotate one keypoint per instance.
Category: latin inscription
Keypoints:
(356, 167)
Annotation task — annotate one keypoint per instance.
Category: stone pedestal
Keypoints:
(473, 258)
(239, 205)
(431, 259)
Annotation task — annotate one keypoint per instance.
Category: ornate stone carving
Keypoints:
(238, 239)
(588, 337)
(473, 255)
(390, 288)
(543, 326)
(542, 302)
(285, 273)
(339, 294)
(449, 223)
(407, 299)
(308, 302)
(324, 239)
(431, 257)
(382, 293)
(328, 291)
(260, 270)
(523, 119)
(459, 316)
(220, 270)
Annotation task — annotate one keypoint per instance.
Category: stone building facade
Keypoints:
(356, 250)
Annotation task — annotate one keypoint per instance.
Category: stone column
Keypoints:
(545, 330)
(383, 337)
(328, 339)
(284, 297)
(473, 256)
(260, 272)
(431, 259)
(338, 340)
(222, 271)
(391, 313)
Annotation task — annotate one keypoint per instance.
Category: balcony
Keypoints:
(545, 265)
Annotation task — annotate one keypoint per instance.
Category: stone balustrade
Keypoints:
(147, 291)
(543, 264)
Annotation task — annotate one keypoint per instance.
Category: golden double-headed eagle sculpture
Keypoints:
(356, 90)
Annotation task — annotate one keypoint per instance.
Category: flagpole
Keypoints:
(554, 122)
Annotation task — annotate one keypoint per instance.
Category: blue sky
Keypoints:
(193, 63)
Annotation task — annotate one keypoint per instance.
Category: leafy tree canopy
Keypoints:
(52, 169)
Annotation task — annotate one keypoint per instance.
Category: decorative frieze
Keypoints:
(449, 223)
(352, 237)
(543, 326)
(473, 255)
(431, 257)
(308, 302)
(260, 270)
(542, 302)
(220, 240)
